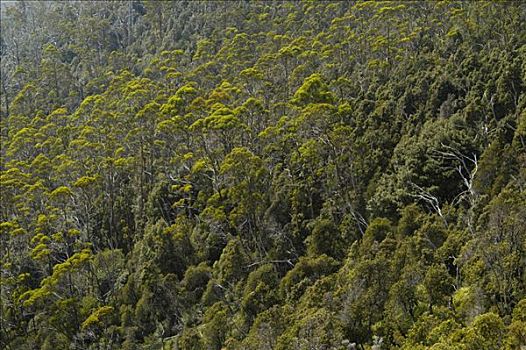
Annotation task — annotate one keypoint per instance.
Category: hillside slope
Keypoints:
(263, 175)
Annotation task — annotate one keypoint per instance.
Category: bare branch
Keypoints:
(262, 262)
(429, 199)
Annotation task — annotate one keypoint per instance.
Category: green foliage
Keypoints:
(313, 90)
(378, 230)
(315, 328)
(516, 336)
(231, 266)
(325, 238)
(96, 317)
(260, 290)
(306, 271)
(257, 175)
(195, 281)
(214, 330)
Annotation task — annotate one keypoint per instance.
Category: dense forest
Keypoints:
(263, 175)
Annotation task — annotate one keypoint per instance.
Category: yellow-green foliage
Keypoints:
(263, 175)
(97, 316)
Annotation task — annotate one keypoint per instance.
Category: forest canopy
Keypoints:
(263, 175)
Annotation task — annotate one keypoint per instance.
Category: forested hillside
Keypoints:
(263, 175)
